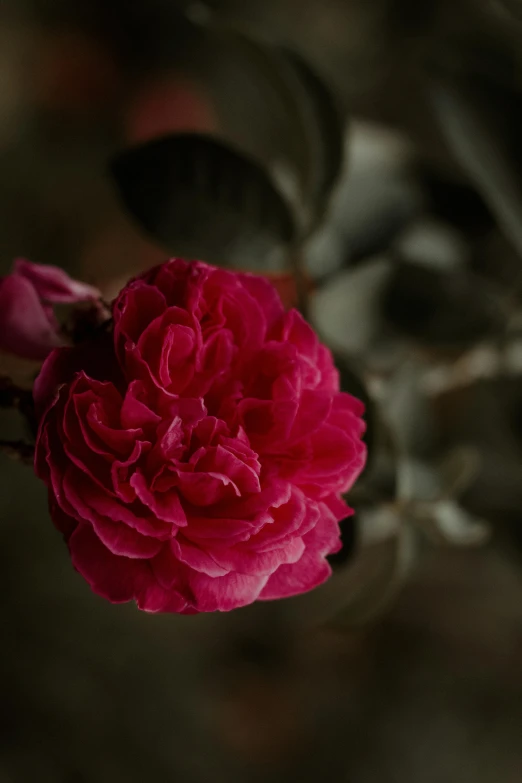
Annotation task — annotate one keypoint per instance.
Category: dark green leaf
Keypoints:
(200, 198)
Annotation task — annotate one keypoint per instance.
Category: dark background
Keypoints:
(94, 693)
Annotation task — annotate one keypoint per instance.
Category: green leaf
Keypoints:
(201, 198)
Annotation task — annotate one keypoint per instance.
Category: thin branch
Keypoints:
(18, 450)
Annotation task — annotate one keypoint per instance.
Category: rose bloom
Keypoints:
(28, 327)
(196, 454)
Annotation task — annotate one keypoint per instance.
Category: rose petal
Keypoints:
(53, 284)
(25, 328)
(135, 411)
(92, 503)
(312, 569)
(119, 579)
(154, 598)
(266, 295)
(247, 559)
(222, 593)
(167, 566)
(166, 507)
(123, 540)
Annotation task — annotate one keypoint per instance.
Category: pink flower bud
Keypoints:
(28, 328)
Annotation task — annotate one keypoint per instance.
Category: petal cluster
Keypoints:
(196, 456)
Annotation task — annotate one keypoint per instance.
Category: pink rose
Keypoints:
(28, 327)
(196, 456)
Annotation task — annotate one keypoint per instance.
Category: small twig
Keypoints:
(18, 450)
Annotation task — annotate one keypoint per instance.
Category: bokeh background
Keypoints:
(414, 279)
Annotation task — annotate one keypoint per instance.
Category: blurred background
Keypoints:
(366, 155)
